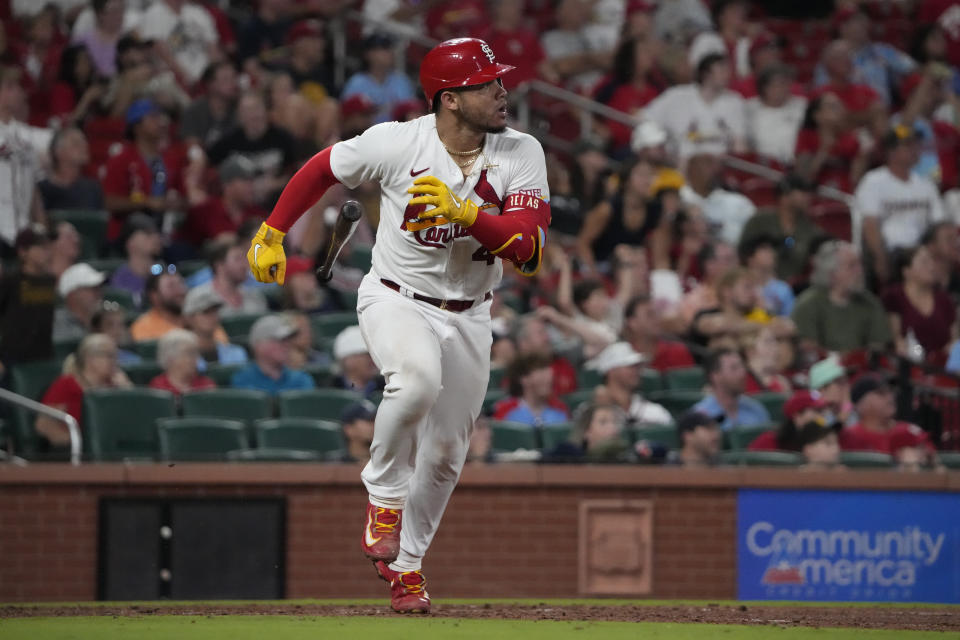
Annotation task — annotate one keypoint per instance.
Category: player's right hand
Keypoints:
(267, 260)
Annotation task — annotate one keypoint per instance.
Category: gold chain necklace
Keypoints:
(469, 156)
(472, 152)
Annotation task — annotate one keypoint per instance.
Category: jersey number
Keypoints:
(482, 255)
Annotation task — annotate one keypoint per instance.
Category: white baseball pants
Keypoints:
(436, 364)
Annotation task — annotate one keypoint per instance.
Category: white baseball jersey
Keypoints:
(442, 261)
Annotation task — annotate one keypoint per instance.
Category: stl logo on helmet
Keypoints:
(488, 52)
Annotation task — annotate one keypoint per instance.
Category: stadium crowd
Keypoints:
(790, 300)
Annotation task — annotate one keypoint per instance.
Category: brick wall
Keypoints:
(507, 531)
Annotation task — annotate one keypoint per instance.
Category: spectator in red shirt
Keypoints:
(826, 152)
(77, 90)
(859, 99)
(223, 214)
(917, 306)
(146, 174)
(878, 429)
(911, 450)
(533, 337)
(448, 20)
(630, 90)
(178, 352)
(803, 408)
(514, 42)
(946, 13)
(39, 58)
(943, 242)
(765, 361)
(94, 366)
(642, 329)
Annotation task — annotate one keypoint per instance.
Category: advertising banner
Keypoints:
(881, 546)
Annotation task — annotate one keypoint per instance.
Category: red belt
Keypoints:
(447, 305)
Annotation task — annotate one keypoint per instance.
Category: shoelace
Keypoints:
(385, 527)
(413, 588)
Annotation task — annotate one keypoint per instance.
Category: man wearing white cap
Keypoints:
(270, 342)
(201, 315)
(620, 366)
(79, 287)
(357, 370)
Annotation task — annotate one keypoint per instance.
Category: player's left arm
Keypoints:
(518, 234)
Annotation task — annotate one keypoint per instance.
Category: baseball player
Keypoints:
(461, 194)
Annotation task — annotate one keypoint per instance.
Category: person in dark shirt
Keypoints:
(27, 299)
(211, 116)
(357, 423)
(264, 31)
(67, 187)
(270, 149)
(312, 75)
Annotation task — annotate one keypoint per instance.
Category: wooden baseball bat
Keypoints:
(350, 213)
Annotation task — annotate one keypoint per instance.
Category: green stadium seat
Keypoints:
(650, 381)
(106, 265)
(676, 401)
(761, 458)
(349, 299)
(90, 224)
(867, 460)
(510, 436)
(492, 397)
(121, 296)
(665, 434)
(325, 404)
(687, 378)
(32, 380)
(200, 438)
(328, 325)
(322, 374)
(740, 438)
(361, 256)
(238, 326)
(575, 398)
(588, 378)
(950, 459)
(121, 423)
(222, 374)
(302, 434)
(496, 378)
(376, 397)
(773, 402)
(554, 434)
(146, 349)
(63, 348)
(272, 455)
(141, 373)
(246, 405)
(187, 268)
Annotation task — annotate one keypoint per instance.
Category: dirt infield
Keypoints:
(879, 617)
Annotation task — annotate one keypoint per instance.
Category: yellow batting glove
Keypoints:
(431, 191)
(267, 260)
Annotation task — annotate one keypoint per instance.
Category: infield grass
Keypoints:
(156, 627)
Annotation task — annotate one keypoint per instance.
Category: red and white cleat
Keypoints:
(381, 533)
(408, 589)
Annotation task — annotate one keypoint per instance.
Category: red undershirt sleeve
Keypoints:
(304, 189)
(516, 235)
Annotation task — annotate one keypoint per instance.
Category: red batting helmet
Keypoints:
(460, 62)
